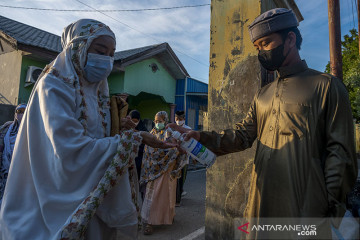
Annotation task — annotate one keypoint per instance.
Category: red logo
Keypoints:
(244, 230)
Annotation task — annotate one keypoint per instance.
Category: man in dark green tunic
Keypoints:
(305, 161)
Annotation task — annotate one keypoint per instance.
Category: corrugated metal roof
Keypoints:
(196, 86)
(180, 87)
(128, 53)
(192, 86)
(29, 35)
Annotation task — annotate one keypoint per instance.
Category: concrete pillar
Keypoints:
(172, 112)
(235, 78)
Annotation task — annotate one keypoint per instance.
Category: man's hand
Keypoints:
(192, 134)
(126, 123)
(188, 134)
(152, 141)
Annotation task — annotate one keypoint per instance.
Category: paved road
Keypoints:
(190, 216)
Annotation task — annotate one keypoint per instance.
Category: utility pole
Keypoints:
(358, 15)
(335, 38)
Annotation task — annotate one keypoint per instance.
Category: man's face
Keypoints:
(179, 118)
(274, 52)
(268, 42)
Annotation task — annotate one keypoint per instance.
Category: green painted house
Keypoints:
(145, 76)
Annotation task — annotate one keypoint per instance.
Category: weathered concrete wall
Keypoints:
(10, 66)
(234, 80)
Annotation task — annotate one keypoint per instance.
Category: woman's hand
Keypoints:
(127, 123)
(177, 128)
(152, 141)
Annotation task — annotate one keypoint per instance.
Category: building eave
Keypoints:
(37, 53)
(163, 53)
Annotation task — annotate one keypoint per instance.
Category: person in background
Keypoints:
(160, 170)
(180, 121)
(8, 133)
(135, 117)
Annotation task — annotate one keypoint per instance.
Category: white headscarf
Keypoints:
(69, 66)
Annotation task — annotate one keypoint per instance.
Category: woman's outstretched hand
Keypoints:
(188, 132)
(127, 124)
(177, 128)
(152, 141)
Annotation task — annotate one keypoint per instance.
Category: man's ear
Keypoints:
(292, 39)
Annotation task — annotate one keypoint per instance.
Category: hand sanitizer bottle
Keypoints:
(194, 148)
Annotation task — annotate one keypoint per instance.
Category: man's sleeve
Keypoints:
(231, 140)
(340, 165)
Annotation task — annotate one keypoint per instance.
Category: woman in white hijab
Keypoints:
(63, 147)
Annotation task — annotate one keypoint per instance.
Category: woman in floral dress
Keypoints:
(161, 168)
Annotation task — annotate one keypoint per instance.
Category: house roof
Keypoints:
(29, 35)
(128, 53)
(162, 52)
(20, 33)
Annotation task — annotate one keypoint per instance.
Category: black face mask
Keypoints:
(272, 59)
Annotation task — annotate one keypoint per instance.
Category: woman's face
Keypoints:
(159, 119)
(103, 45)
(19, 113)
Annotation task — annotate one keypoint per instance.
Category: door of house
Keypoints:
(191, 118)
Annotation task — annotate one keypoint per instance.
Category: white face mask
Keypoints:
(180, 123)
(98, 67)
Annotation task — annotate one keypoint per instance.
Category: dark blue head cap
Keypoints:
(134, 114)
(272, 21)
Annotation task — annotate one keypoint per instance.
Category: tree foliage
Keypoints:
(351, 70)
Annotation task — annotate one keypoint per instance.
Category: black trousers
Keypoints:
(180, 184)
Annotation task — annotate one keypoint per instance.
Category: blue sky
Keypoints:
(315, 29)
(186, 30)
